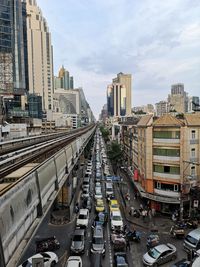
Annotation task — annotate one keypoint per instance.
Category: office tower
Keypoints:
(110, 100)
(12, 70)
(193, 103)
(162, 108)
(64, 80)
(39, 55)
(116, 100)
(126, 80)
(178, 98)
(71, 82)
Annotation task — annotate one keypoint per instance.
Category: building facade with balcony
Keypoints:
(165, 158)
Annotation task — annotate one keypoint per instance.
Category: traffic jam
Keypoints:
(98, 205)
(99, 234)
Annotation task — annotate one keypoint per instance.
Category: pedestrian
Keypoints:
(150, 214)
(128, 247)
(143, 215)
(153, 212)
(77, 208)
(141, 206)
(146, 214)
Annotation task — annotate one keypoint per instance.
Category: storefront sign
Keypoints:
(195, 203)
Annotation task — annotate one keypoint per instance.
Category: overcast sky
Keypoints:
(157, 41)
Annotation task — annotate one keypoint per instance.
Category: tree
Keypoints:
(114, 154)
(105, 134)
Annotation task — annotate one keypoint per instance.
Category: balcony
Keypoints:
(166, 141)
(167, 193)
(167, 175)
(193, 159)
(165, 158)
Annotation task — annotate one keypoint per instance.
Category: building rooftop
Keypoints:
(145, 120)
(168, 120)
(192, 119)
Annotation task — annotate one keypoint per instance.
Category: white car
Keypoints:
(50, 259)
(98, 195)
(116, 220)
(83, 218)
(74, 261)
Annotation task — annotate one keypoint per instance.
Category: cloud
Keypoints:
(157, 41)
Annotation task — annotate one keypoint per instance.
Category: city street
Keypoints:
(134, 255)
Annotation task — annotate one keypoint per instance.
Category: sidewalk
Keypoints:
(161, 223)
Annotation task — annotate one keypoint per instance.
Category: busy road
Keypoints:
(101, 233)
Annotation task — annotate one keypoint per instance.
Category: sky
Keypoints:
(157, 41)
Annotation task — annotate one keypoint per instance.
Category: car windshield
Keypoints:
(98, 193)
(100, 204)
(191, 240)
(116, 218)
(109, 189)
(154, 253)
(78, 238)
(121, 261)
(98, 240)
(82, 216)
(114, 206)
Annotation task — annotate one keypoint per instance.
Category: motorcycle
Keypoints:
(133, 236)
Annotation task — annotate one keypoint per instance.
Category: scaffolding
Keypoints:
(6, 73)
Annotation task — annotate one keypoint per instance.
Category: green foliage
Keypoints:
(114, 153)
(105, 133)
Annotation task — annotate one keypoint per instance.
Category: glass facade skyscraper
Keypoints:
(12, 69)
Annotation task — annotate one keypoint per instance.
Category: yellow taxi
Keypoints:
(100, 205)
(114, 206)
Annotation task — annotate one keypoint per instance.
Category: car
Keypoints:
(160, 254)
(120, 259)
(83, 218)
(78, 242)
(98, 243)
(100, 205)
(116, 220)
(50, 259)
(114, 206)
(98, 194)
(88, 172)
(86, 182)
(98, 184)
(87, 204)
(182, 263)
(85, 193)
(74, 261)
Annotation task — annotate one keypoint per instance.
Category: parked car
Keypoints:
(74, 261)
(86, 182)
(192, 241)
(98, 243)
(47, 244)
(120, 259)
(78, 242)
(83, 218)
(116, 221)
(160, 254)
(182, 263)
(50, 259)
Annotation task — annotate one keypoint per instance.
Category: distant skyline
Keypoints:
(158, 42)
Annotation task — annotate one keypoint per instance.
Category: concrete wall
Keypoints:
(20, 206)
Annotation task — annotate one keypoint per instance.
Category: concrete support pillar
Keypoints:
(2, 259)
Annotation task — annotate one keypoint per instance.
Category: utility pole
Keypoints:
(183, 186)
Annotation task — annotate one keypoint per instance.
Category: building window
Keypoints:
(158, 185)
(166, 152)
(193, 171)
(193, 134)
(193, 152)
(166, 169)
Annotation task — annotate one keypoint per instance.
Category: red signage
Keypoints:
(135, 177)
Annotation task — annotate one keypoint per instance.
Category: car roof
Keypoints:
(116, 212)
(195, 233)
(113, 201)
(83, 211)
(161, 248)
(99, 200)
(79, 232)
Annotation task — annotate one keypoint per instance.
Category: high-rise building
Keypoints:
(39, 55)
(126, 81)
(116, 100)
(64, 80)
(12, 69)
(162, 108)
(178, 98)
(193, 103)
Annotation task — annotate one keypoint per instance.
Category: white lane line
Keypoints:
(109, 247)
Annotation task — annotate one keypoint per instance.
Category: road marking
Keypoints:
(87, 252)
